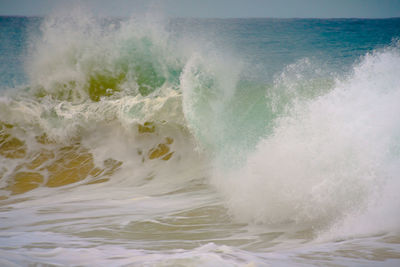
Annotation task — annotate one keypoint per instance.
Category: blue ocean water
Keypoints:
(270, 43)
(275, 43)
(199, 142)
(15, 32)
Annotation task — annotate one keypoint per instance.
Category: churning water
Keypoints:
(184, 142)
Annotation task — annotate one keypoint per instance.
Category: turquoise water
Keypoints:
(199, 142)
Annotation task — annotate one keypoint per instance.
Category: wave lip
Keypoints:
(79, 58)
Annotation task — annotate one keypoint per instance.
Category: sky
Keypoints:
(213, 8)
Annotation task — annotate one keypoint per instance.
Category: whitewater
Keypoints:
(186, 142)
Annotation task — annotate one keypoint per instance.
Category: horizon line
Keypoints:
(221, 18)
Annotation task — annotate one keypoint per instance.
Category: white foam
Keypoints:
(333, 158)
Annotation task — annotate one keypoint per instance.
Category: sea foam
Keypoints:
(332, 162)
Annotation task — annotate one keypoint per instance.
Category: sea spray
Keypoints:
(136, 142)
(333, 158)
(76, 58)
(90, 82)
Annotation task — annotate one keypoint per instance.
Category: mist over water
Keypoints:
(150, 141)
(330, 156)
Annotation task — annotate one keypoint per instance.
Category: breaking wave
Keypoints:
(127, 104)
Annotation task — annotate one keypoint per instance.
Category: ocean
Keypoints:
(150, 141)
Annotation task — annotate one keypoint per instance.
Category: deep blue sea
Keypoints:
(149, 141)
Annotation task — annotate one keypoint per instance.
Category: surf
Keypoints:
(127, 131)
